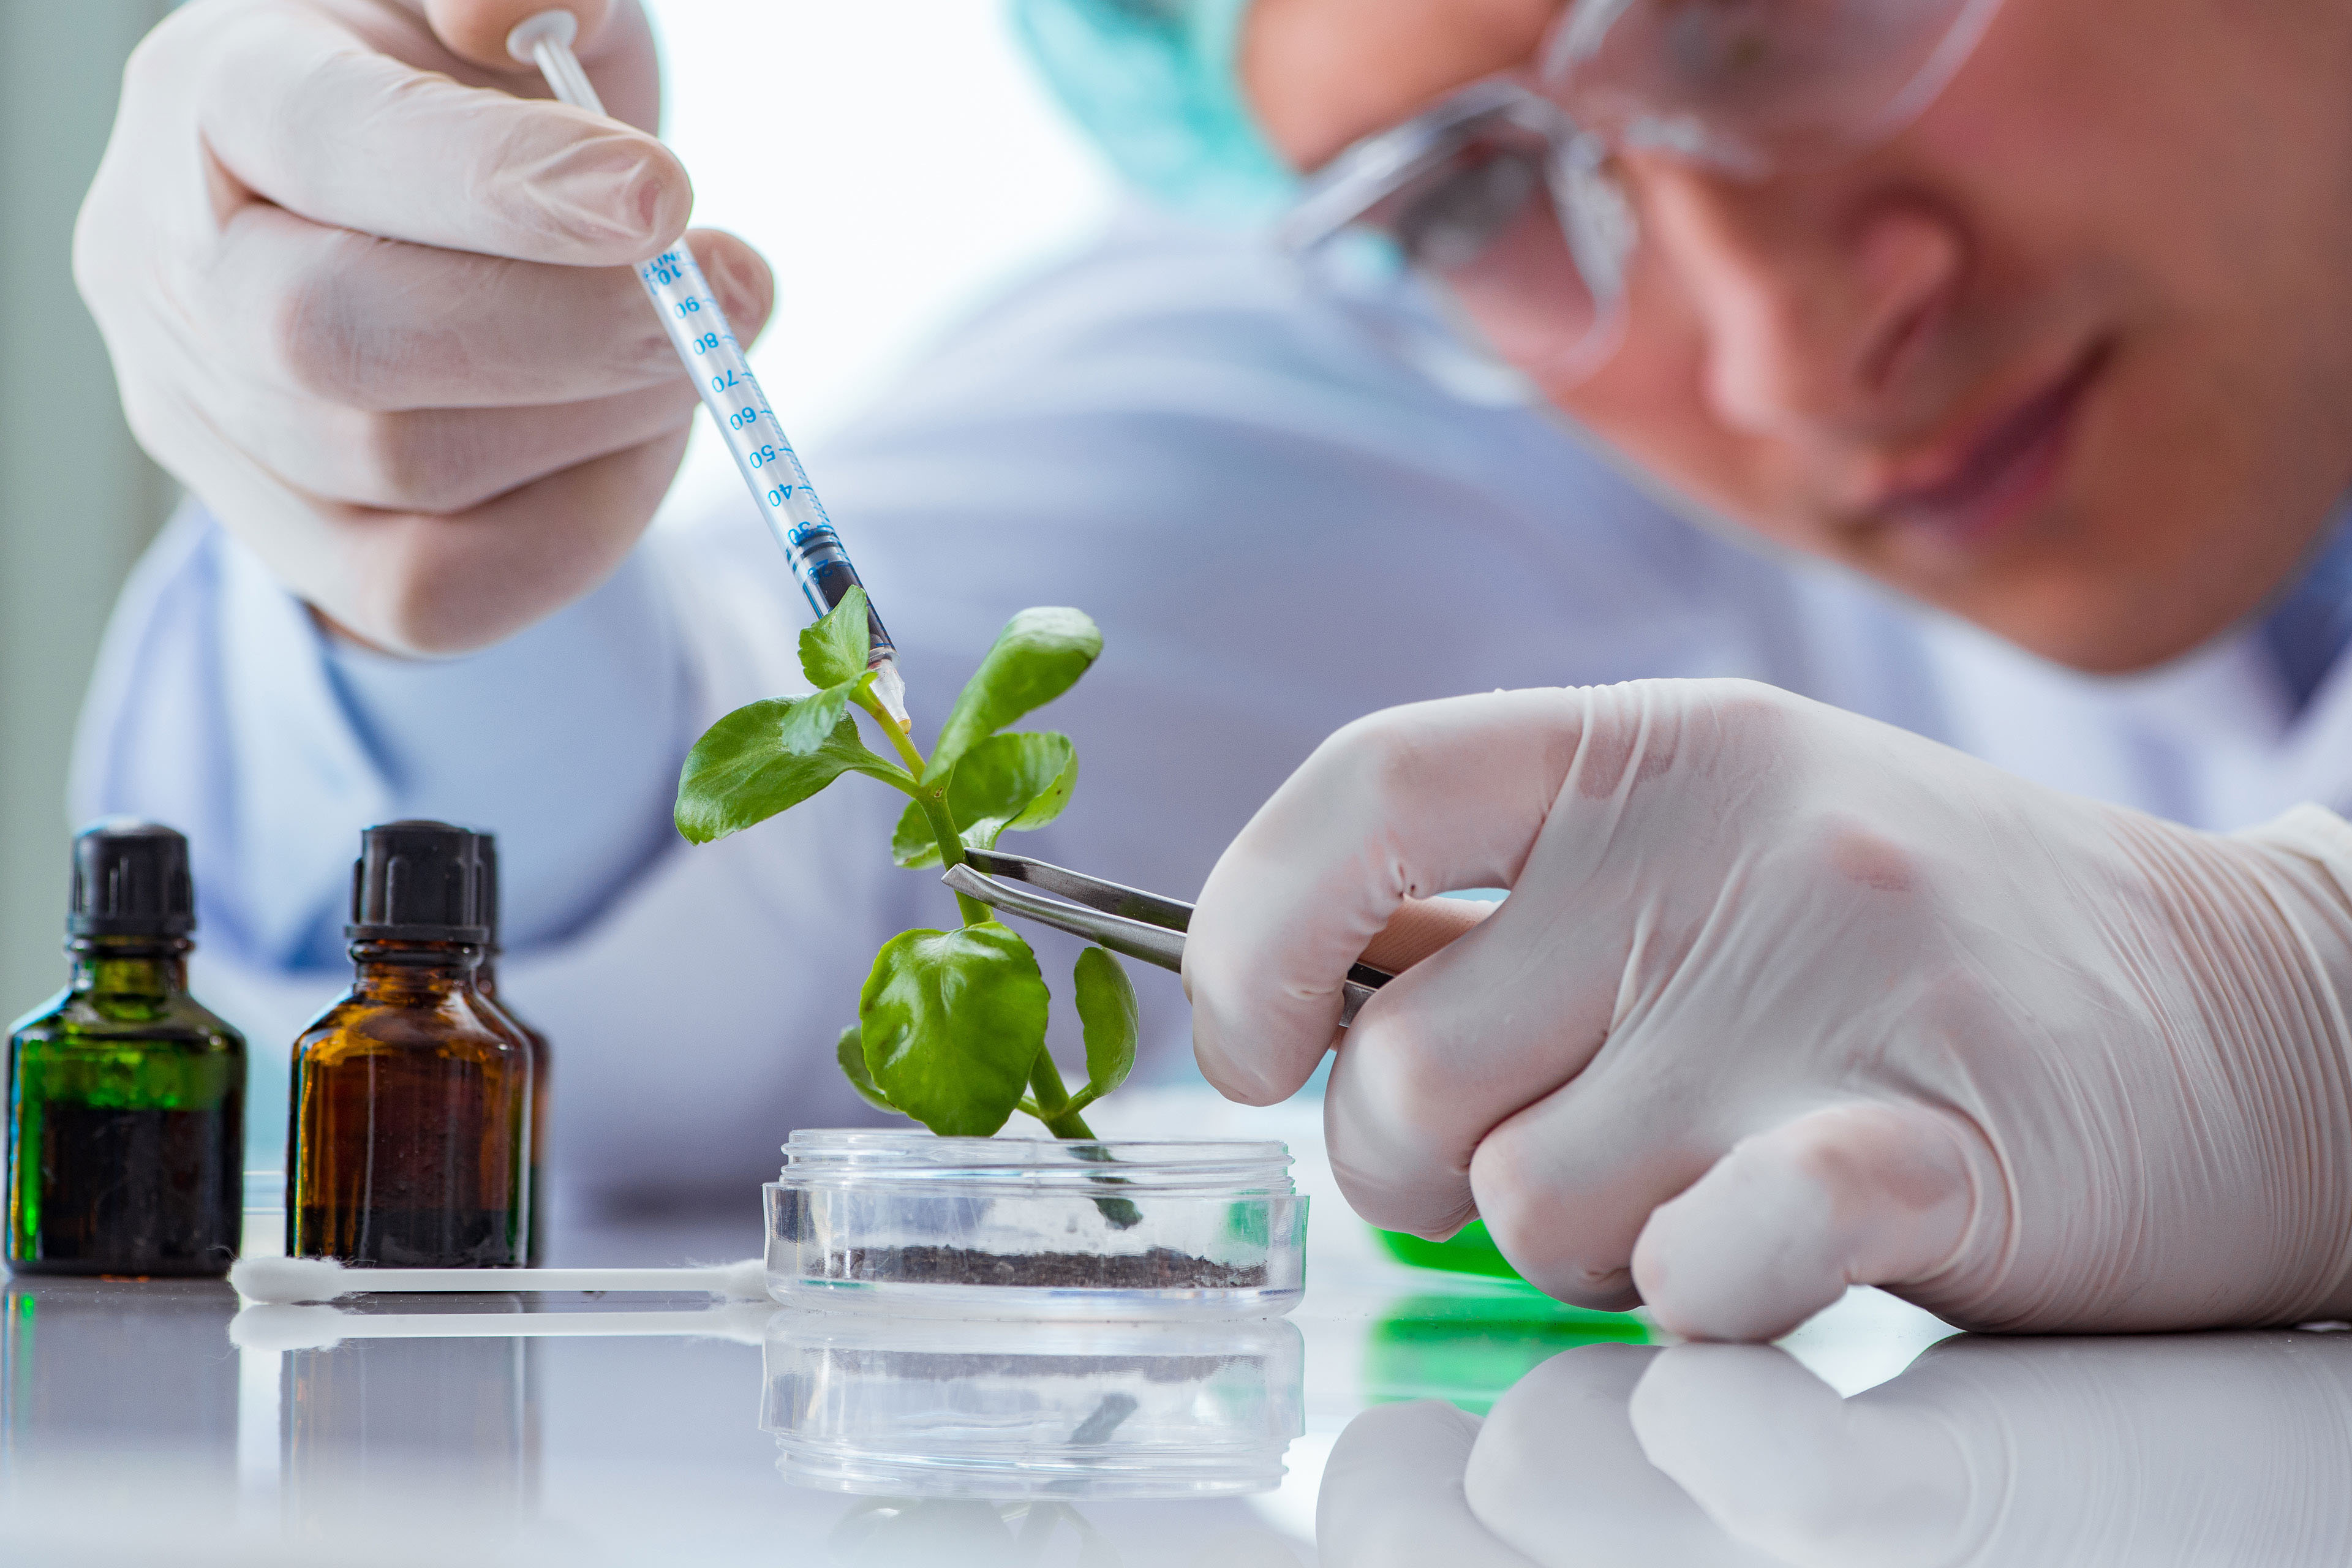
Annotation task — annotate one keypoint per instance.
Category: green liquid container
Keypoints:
(126, 1097)
(1469, 1250)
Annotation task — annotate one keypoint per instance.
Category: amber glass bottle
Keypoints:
(485, 980)
(410, 1145)
(126, 1097)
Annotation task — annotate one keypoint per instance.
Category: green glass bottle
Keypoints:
(486, 980)
(410, 1142)
(126, 1097)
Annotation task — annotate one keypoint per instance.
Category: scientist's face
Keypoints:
(2071, 355)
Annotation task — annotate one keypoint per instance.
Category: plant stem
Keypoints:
(933, 799)
(1054, 1099)
(1052, 1105)
(909, 757)
(943, 830)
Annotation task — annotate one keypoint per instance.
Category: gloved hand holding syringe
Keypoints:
(707, 345)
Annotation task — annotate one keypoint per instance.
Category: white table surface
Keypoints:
(133, 1430)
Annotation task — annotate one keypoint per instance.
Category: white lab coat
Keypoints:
(1287, 502)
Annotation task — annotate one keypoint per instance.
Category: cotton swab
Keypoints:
(276, 1328)
(284, 1280)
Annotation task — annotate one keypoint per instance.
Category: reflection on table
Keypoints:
(1006, 1410)
(1398, 1418)
(93, 1363)
(1467, 1347)
(412, 1410)
(2145, 1450)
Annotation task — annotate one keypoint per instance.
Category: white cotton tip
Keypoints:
(744, 1281)
(743, 1322)
(279, 1329)
(284, 1280)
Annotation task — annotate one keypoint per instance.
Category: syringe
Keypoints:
(706, 344)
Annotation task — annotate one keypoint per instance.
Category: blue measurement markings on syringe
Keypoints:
(762, 455)
(706, 346)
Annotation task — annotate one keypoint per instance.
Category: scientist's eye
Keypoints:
(1448, 222)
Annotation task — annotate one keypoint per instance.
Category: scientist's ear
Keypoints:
(476, 30)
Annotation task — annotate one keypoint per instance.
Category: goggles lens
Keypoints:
(1462, 197)
(1496, 198)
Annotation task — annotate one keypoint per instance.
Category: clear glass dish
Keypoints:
(922, 1408)
(915, 1224)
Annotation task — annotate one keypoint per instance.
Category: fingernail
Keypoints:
(734, 281)
(609, 190)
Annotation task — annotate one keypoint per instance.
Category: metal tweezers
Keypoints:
(1124, 920)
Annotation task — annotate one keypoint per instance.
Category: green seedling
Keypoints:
(951, 1024)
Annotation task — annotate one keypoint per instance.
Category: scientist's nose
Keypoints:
(1819, 310)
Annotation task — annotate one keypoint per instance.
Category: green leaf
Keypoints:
(816, 717)
(744, 769)
(912, 843)
(1018, 782)
(1039, 655)
(951, 1022)
(833, 651)
(850, 1052)
(1110, 1020)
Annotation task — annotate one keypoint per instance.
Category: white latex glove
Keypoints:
(375, 310)
(1785, 1000)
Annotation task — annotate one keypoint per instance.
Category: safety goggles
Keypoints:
(1507, 195)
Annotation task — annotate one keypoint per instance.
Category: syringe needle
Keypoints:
(697, 329)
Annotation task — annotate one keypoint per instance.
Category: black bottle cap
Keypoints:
(417, 881)
(131, 878)
(486, 846)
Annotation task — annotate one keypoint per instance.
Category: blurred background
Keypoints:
(893, 189)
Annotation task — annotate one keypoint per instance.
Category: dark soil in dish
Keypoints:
(1161, 1268)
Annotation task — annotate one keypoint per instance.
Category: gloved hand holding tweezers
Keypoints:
(1784, 999)
(1151, 928)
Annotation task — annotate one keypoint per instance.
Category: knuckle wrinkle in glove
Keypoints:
(1621, 741)
(320, 334)
(416, 462)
